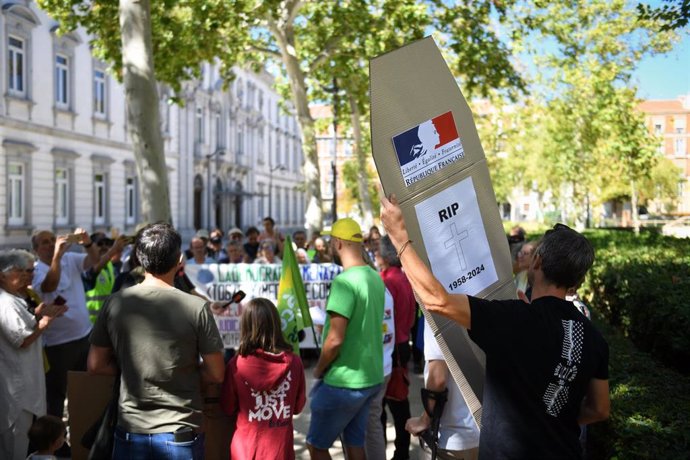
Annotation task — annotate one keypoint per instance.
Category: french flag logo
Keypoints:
(425, 138)
(428, 147)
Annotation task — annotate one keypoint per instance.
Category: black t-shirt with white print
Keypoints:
(540, 358)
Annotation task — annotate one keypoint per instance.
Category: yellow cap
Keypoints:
(346, 229)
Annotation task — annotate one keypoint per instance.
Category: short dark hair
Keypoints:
(297, 232)
(270, 219)
(566, 256)
(260, 328)
(45, 431)
(158, 248)
(253, 230)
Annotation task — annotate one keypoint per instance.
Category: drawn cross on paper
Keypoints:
(455, 240)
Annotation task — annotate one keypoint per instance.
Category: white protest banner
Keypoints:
(219, 282)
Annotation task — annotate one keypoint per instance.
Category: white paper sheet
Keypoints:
(455, 239)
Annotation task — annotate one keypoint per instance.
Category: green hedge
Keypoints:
(641, 285)
(650, 407)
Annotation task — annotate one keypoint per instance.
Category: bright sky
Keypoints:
(666, 76)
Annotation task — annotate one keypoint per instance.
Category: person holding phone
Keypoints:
(21, 358)
(58, 273)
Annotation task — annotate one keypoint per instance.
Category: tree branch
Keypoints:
(269, 51)
(325, 53)
(292, 8)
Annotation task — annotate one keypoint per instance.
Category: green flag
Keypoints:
(292, 298)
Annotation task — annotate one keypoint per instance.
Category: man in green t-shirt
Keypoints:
(350, 368)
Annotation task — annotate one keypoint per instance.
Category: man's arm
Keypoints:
(119, 244)
(92, 251)
(212, 367)
(596, 405)
(101, 361)
(52, 278)
(436, 381)
(332, 344)
(431, 293)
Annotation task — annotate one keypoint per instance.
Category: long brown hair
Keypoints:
(260, 328)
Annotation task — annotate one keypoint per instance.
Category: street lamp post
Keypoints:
(218, 153)
(334, 163)
(271, 170)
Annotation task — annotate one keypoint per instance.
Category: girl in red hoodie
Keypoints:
(264, 385)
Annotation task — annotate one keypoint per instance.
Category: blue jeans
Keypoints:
(133, 446)
(339, 410)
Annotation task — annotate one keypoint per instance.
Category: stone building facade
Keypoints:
(233, 154)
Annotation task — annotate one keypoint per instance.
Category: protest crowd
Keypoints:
(100, 303)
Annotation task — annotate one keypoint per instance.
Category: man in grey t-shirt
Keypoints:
(164, 342)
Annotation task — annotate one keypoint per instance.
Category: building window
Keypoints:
(100, 198)
(302, 205)
(130, 201)
(61, 81)
(261, 209)
(62, 196)
(16, 202)
(99, 92)
(219, 130)
(679, 125)
(165, 113)
(347, 147)
(250, 95)
(240, 140)
(287, 161)
(679, 147)
(328, 191)
(278, 211)
(199, 125)
(17, 72)
(295, 204)
(239, 90)
(260, 144)
(278, 152)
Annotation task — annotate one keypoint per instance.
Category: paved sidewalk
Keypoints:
(301, 421)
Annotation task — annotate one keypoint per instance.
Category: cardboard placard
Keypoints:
(427, 152)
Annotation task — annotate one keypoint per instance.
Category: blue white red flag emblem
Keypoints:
(428, 148)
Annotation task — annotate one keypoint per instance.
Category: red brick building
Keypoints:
(670, 120)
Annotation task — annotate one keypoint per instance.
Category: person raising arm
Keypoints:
(430, 292)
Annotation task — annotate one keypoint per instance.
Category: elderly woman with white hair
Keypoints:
(22, 376)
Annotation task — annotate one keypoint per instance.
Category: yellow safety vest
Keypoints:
(101, 290)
